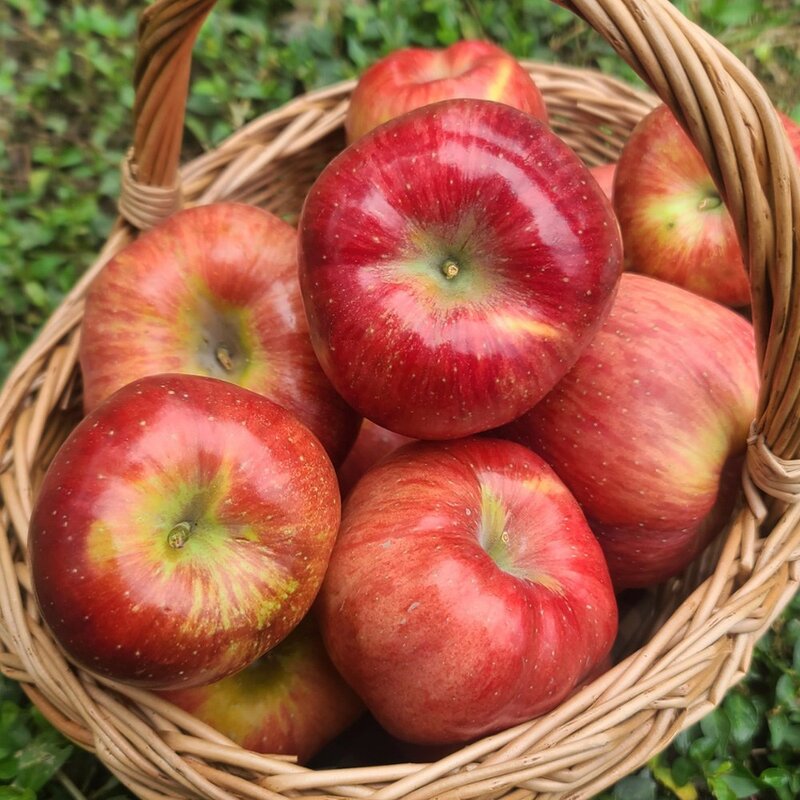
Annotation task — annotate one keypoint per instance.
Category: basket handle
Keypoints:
(167, 30)
(732, 122)
(716, 99)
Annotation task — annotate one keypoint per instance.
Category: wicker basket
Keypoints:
(688, 643)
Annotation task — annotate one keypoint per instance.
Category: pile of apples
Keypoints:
(519, 428)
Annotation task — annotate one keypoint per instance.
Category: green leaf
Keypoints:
(786, 692)
(38, 761)
(683, 770)
(780, 781)
(743, 716)
(720, 789)
(636, 787)
(738, 779)
(782, 732)
(701, 750)
(36, 293)
(16, 793)
(717, 727)
(8, 768)
(665, 775)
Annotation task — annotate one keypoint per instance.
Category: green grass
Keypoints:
(65, 123)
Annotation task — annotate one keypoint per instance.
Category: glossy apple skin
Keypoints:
(604, 175)
(221, 275)
(416, 76)
(371, 445)
(537, 257)
(124, 590)
(674, 224)
(648, 429)
(291, 701)
(466, 592)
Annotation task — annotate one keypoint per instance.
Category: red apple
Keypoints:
(454, 263)
(291, 701)
(604, 175)
(182, 530)
(648, 429)
(212, 291)
(371, 445)
(466, 592)
(416, 76)
(674, 224)
(792, 131)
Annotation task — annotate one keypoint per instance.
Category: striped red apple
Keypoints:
(466, 592)
(454, 263)
(416, 76)
(181, 531)
(675, 225)
(212, 291)
(649, 428)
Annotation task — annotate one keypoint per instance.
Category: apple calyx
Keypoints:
(450, 268)
(710, 202)
(493, 532)
(179, 535)
(223, 348)
(223, 356)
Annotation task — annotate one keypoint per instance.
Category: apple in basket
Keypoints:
(212, 291)
(290, 701)
(466, 592)
(454, 262)
(416, 76)
(675, 225)
(182, 530)
(648, 429)
(604, 175)
(371, 445)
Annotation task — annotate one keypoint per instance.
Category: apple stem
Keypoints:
(224, 357)
(449, 269)
(178, 536)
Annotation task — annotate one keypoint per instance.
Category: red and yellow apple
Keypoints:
(291, 701)
(675, 225)
(454, 263)
(466, 592)
(649, 428)
(416, 76)
(212, 291)
(181, 531)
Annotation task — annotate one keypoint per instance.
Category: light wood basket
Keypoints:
(687, 645)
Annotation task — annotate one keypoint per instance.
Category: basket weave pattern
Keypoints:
(698, 640)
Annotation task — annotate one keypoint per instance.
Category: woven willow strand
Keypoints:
(697, 639)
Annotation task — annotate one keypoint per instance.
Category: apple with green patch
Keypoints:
(675, 225)
(417, 76)
(454, 263)
(649, 428)
(466, 592)
(291, 701)
(181, 531)
(212, 291)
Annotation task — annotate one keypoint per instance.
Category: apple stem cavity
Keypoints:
(223, 356)
(709, 203)
(450, 268)
(179, 535)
